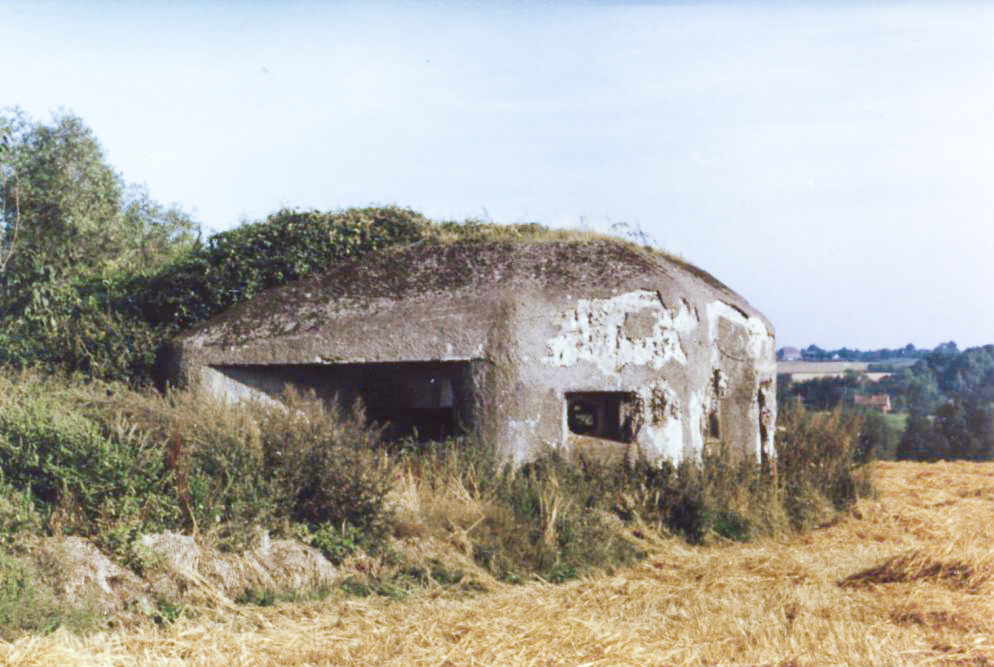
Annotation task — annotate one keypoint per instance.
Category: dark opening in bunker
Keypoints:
(714, 425)
(602, 414)
(428, 400)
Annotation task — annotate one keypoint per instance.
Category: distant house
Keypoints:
(789, 354)
(876, 401)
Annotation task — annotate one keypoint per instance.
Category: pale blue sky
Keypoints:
(831, 161)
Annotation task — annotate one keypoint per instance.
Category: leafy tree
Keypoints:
(71, 229)
(73, 215)
(951, 398)
(916, 441)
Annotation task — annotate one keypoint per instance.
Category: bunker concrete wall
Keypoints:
(688, 362)
(698, 359)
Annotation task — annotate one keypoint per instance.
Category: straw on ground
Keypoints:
(907, 580)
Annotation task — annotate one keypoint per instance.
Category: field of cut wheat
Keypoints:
(908, 579)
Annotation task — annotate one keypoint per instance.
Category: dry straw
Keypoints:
(907, 580)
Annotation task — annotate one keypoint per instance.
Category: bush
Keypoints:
(238, 264)
(816, 462)
(878, 437)
(327, 467)
(79, 476)
(559, 519)
(547, 518)
(17, 512)
(22, 607)
(109, 462)
(110, 326)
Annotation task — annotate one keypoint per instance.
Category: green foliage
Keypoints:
(22, 606)
(73, 215)
(951, 397)
(879, 437)
(948, 395)
(235, 265)
(28, 605)
(71, 230)
(551, 518)
(337, 543)
(560, 519)
(110, 325)
(827, 393)
(327, 465)
(721, 497)
(168, 611)
(78, 475)
(816, 463)
(883, 355)
(18, 513)
(112, 463)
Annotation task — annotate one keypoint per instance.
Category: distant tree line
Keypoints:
(815, 353)
(948, 396)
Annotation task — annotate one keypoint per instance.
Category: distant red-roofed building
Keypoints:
(876, 401)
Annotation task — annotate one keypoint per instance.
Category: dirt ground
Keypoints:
(907, 580)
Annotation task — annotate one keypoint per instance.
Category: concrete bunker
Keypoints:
(593, 348)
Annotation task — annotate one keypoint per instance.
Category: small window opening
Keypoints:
(602, 414)
(714, 426)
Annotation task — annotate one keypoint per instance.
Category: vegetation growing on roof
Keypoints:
(110, 325)
(95, 274)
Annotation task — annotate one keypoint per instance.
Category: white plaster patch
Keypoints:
(595, 331)
(661, 436)
(696, 411)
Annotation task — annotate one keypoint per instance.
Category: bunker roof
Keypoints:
(589, 268)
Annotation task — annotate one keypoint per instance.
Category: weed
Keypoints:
(167, 611)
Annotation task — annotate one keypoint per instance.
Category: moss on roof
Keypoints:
(585, 264)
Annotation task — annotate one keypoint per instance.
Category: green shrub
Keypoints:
(235, 265)
(327, 467)
(78, 475)
(879, 437)
(110, 325)
(816, 462)
(112, 463)
(17, 512)
(550, 518)
(336, 543)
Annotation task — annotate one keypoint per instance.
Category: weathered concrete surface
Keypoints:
(689, 362)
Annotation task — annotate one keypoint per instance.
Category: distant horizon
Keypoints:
(961, 348)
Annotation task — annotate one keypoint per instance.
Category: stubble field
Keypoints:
(907, 580)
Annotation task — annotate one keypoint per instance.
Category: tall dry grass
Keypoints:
(907, 580)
